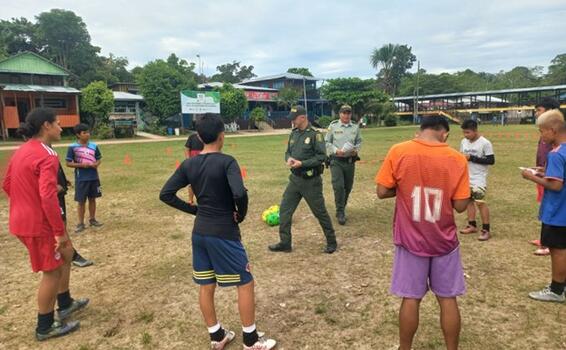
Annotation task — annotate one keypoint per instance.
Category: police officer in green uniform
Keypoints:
(343, 142)
(305, 157)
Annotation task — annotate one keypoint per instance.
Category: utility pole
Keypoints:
(305, 94)
(416, 97)
(199, 67)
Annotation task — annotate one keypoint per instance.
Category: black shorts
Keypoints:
(553, 236)
(87, 189)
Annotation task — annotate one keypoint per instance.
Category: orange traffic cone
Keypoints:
(177, 163)
(127, 159)
(244, 172)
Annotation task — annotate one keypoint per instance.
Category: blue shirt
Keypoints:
(84, 154)
(553, 207)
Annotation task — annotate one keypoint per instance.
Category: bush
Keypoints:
(324, 121)
(153, 127)
(103, 132)
(390, 120)
(258, 114)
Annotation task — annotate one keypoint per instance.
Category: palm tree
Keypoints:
(383, 59)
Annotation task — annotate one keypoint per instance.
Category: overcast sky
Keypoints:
(333, 38)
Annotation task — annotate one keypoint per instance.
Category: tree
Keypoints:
(557, 71)
(17, 35)
(301, 71)
(288, 96)
(393, 61)
(362, 95)
(183, 67)
(61, 33)
(233, 73)
(97, 101)
(161, 84)
(233, 103)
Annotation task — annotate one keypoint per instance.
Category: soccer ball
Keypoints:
(273, 219)
(274, 209)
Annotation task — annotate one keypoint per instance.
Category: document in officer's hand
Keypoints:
(348, 147)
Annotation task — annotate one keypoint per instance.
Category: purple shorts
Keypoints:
(413, 275)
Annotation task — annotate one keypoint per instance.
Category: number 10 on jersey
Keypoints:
(431, 199)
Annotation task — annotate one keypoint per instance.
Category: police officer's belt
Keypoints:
(308, 173)
(346, 159)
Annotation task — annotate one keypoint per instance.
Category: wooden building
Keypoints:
(28, 81)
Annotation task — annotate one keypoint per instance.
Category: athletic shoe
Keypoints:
(469, 229)
(484, 235)
(280, 247)
(80, 228)
(58, 329)
(262, 344)
(542, 251)
(547, 295)
(219, 345)
(76, 305)
(535, 242)
(79, 261)
(95, 223)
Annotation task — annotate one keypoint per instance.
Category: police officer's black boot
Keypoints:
(341, 218)
(280, 247)
(330, 248)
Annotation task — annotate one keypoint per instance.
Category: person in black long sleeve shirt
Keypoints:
(218, 254)
(479, 153)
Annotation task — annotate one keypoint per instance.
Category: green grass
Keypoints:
(143, 296)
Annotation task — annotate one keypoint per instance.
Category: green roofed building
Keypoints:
(28, 81)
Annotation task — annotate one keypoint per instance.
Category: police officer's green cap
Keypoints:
(345, 108)
(296, 111)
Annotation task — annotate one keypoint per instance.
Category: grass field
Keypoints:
(142, 295)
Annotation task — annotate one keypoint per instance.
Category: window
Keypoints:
(278, 84)
(58, 103)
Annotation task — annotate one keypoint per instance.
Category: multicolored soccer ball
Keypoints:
(273, 219)
(271, 215)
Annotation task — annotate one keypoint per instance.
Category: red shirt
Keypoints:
(427, 177)
(31, 185)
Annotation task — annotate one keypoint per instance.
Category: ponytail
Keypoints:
(35, 120)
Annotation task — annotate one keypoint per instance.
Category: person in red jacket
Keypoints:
(35, 219)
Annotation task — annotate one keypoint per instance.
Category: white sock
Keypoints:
(214, 328)
(249, 329)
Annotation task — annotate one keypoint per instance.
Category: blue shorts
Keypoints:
(87, 189)
(222, 261)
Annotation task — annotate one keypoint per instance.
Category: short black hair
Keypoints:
(80, 128)
(470, 124)
(209, 127)
(548, 103)
(35, 120)
(434, 122)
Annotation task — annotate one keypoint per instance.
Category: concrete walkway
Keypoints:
(150, 136)
(13, 147)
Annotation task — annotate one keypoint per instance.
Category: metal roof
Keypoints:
(126, 96)
(291, 76)
(39, 88)
(488, 92)
(237, 86)
(31, 63)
